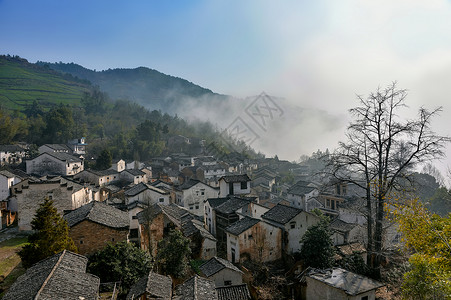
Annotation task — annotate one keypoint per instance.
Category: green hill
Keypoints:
(145, 86)
(22, 82)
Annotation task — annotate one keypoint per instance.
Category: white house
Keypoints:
(293, 222)
(345, 233)
(66, 195)
(253, 239)
(98, 178)
(59, 148)
(299, 194)
(146, 193)
(222, 272)
(234, 185)
(11, 154)
(210, 213)
(118, 165)
(134, 176)
(7, 180)
(192, 195)
(55, 163)
(339, 284)
(78, 146)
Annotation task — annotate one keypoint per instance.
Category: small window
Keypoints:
(197, 206)
(227, 282)
(161, 199)
(191, 207)
(249, 236)
(81, 241)
(293, 225)
(364, 298)
(112, 239)
(244, 185)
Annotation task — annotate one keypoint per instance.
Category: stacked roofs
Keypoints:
(61, 276)
(216, 264)
(235, 178)
(281, 214)
(154, 286)
(241, 225)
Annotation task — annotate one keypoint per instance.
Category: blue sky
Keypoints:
(316, 54)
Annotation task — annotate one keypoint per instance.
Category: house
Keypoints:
(61, 276)
(134, 164)
(253, 239)
(55, 163)
(152, 286)
(57, 148)
(146, 193)
(330, 201)
(134, 176)
(78, 146)
(7, 180)
(98, 178)
(210, 213)
(225, 215)
(222, 272)
(94, 225)
(234, 185)
(155, 221)
(196, 288)
(203, 243)
(233, 292)
(192, 195)
(300, 193)
(293, 222)
(28, 194)
(345, 233)
(210, 173)
(337, 284)
(118, 165)
(11, 154)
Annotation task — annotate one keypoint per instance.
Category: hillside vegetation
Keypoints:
(21, 83)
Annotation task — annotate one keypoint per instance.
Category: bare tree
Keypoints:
(383, 148)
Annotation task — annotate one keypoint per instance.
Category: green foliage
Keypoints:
(120, 262)
(173, 254)
(59, 125)
(104, 160)
(440, 202)
(354, 263)
(50, 237)
(317, 248)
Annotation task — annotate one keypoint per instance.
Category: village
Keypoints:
(236, 212)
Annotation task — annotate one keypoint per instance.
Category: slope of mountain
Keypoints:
(145, 86)
(22, 82)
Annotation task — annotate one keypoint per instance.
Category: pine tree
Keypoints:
(50, 237)
(173, 254)
(317, 247)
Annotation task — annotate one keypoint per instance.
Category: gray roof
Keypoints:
(173, 212)
(232, 205)
(197, 288)
(341, 226)
(61, 276)
(63, 156)
(235, 178)
(155, 285)
(135, 172)
(188, 184)
(215, 202)
(103, 172)
(301, 188)
(58, 147)
(351, 283)
(281, 214)
(7, 174)
(233, 292)
(98, 212)
(241, 225)
(141, 187)
(216, 264)
(192, 226)
(11, 148)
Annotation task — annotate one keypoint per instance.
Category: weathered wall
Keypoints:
(90, 237)
(227, 275)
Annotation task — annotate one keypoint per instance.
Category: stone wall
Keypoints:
(90, 237)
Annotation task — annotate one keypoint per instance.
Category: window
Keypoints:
(293, 225)
(364, 298)
(197, 206)
(249, 236)
(112, 239)
(191, 207)
(244, 185)
(161, 199)
(227, 282)
(81, 241)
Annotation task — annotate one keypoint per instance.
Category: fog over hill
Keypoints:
(288, 131)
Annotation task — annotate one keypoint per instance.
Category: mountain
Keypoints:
(145, 86)
(22, 82)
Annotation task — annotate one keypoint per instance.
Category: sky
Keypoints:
(316, 55)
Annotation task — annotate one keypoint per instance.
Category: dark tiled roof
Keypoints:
(232, 205)
(349, 282)
(196, 288)
(100, 213)
(58, 147)
(241, 225)
(63, 156)
(7, 174)
(173, 212)
(213, 167)
(192, 226)
(300, 188)
(189, 184)
(11, 148)
(155, 285)
(236, 178)
(106, 172)
(216, 264)
(341, 226)
(137, 189)
(215, 202)
(233, 292)
(135, 172)
(61, 276)
(281, 214)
